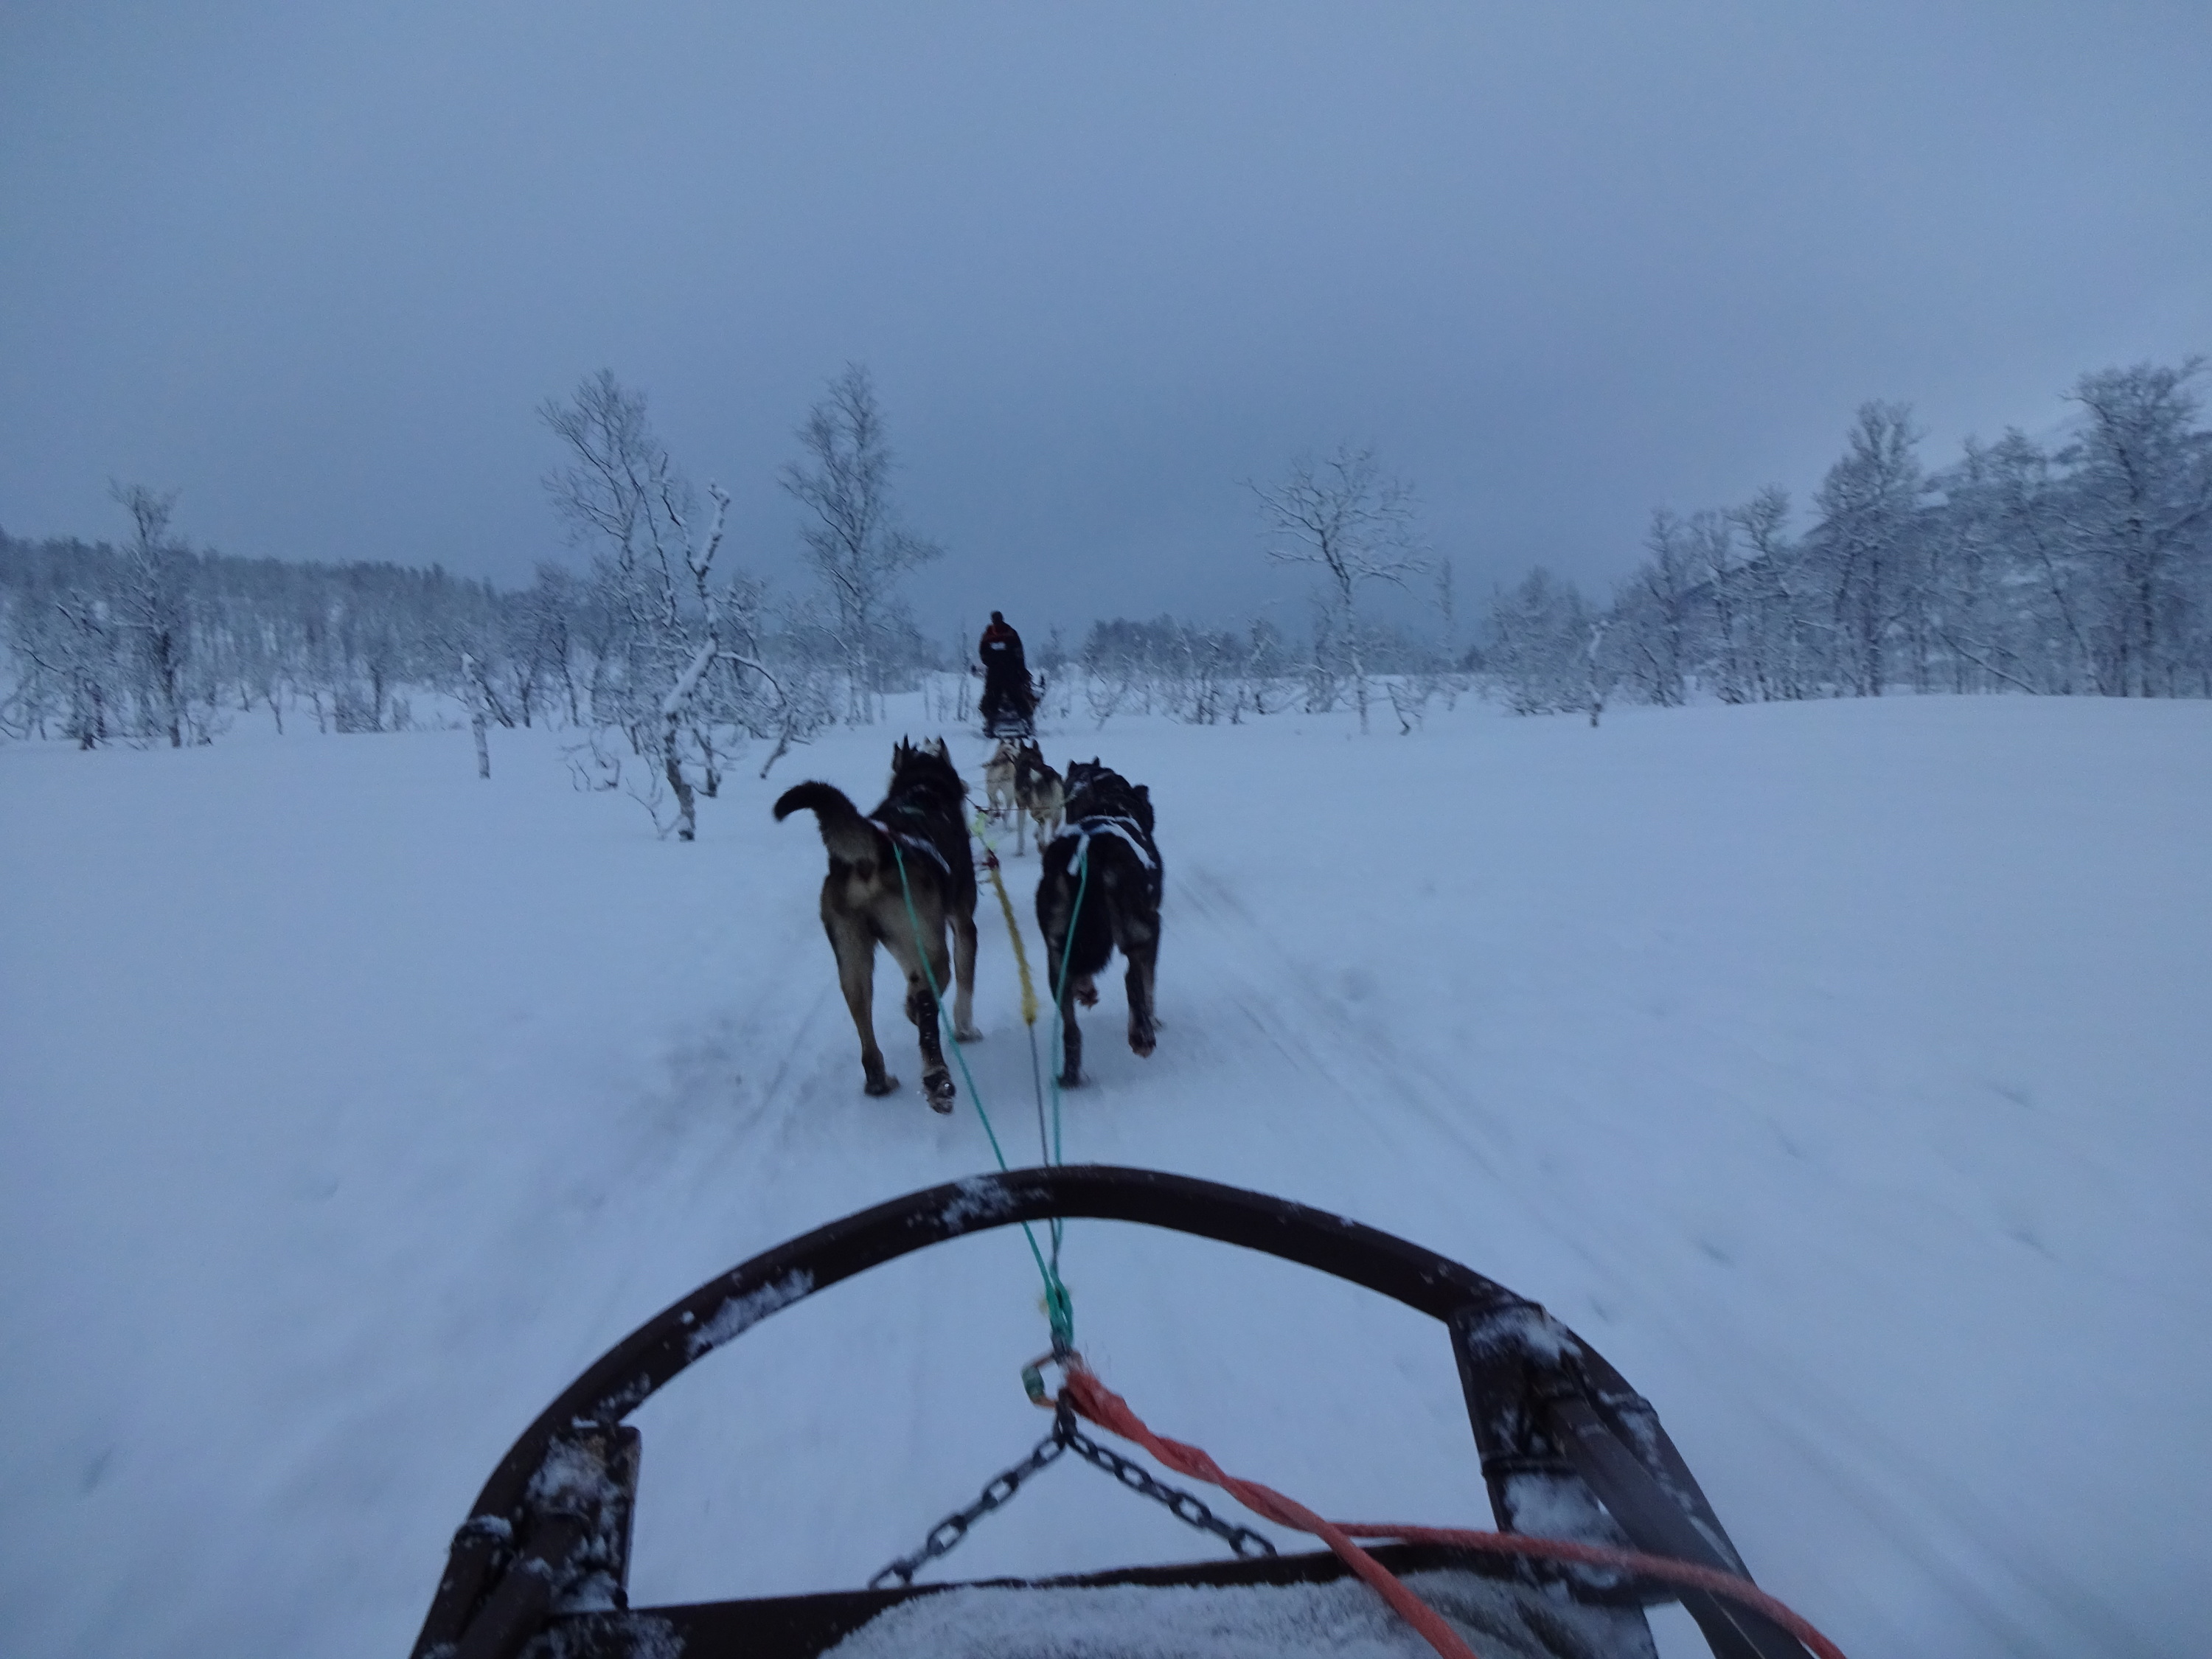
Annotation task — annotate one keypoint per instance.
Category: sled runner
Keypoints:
(1575, 1464)
(1015, 717)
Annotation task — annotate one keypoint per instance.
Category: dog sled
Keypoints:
(1009, 702)
(1014, 716)
(1598, 1518)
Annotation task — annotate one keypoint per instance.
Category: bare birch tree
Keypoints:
(1354, 522)
(854, 544)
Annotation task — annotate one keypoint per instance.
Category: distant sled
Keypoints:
(1575, 1464)
(1008, 709)
(1008, 721)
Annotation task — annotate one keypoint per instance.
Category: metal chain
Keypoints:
(951, 1530)
(1241, 1540)
(1065, 1437)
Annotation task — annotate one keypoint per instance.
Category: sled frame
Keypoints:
(1552, 1420)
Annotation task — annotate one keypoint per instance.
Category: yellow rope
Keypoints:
(1013, 927)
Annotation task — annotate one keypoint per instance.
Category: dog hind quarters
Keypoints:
(919, 831)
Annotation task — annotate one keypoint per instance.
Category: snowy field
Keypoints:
(1841, 1070)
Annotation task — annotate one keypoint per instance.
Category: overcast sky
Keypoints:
(314, 265)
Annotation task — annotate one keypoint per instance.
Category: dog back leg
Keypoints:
(963, 976)
(1139, 939)
(1078, 939)
(1143, 1030)
(921, 1009)
(1071, 1034)
(856, 977)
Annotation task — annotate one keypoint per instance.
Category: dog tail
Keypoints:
(849, 837)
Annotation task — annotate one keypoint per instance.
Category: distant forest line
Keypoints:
(2079, 567)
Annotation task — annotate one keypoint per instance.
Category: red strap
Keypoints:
(1093, 1400)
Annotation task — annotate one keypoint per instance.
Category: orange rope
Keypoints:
(1663, 1567)
(1101, 1405)
(1094, 1399)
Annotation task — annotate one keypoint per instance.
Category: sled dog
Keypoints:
(1084, 917)
(1037, 792)
(1000, 798)
(921, 824)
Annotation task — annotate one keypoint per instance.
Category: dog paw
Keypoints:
(1142, 1044)
(1071, 1079)
(966, 1034)
(1086, 994)
(938, 1085)
(883, 1085)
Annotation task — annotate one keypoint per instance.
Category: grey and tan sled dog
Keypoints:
(922, 824)
(1084, 917)
(1039, 794)
(999, 797)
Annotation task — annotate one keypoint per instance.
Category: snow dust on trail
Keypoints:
(1837, 1069)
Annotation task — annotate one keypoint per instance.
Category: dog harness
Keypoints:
(907, 839)
(1128, 828)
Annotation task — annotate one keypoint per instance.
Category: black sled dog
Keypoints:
(922, 824)
(1109, 832)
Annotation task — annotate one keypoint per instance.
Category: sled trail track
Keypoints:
(1836, 1069)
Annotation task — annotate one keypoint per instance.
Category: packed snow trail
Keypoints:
(1837, 1069)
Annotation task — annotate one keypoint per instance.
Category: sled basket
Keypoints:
(1567, 1450)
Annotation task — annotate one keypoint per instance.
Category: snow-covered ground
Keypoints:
(1841, 1070)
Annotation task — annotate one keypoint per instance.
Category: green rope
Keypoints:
(1059, 1311)
(1060, 1027)
(1036, 1090)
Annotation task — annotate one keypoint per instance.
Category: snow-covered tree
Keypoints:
(1538, 646)
(2141, 518)
(687, 657)
(156, 608)
(1867, 541)
(64, 645)
(1656, 632)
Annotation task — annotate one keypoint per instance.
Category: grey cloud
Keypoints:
(316, 265)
